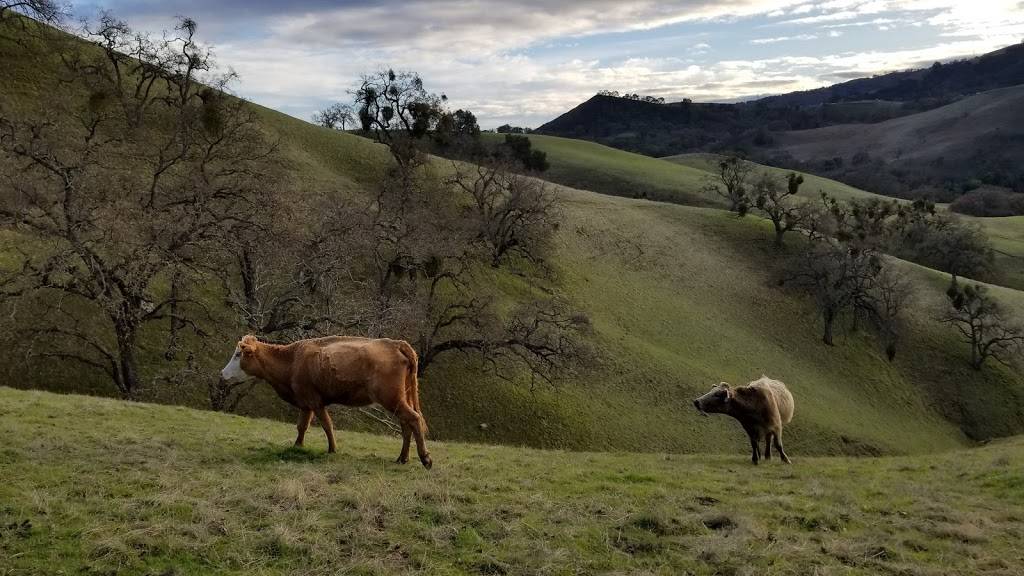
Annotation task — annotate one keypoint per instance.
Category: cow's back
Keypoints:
(346, 369)
(779, 391)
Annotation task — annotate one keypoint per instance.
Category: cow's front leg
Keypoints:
(755, 448)
(305, 417)
(325, 422)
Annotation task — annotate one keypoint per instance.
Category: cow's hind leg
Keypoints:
(778, 446)
(305, 417)
(403, 456)
(414, 420)
(768, 446)
(325, 422)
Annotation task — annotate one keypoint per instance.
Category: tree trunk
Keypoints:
(172, 342)
(977, 359)
(127, 364)
(779, 232)
(830, 320)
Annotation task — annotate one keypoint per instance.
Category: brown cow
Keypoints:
(762, 407)
(312, 374)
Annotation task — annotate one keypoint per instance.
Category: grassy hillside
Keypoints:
(812, 186)
(592, 166)
(1007, 236)
(1006, 233)
(95, 486)
(679, 297)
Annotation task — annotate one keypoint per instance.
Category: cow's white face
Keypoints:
(233, 371)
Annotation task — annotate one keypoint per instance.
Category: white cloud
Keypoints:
(495, 25)
(783, 39)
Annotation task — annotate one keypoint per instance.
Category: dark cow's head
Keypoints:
(716, 401)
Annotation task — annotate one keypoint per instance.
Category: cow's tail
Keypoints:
(412, 383)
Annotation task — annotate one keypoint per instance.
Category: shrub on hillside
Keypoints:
(989, 202)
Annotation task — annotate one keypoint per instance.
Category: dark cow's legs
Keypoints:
(403, 456)
(755, 449)
(768, 446)
(778, 447)
(305, 417)
(325, 421)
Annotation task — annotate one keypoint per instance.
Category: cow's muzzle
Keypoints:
(696, 404)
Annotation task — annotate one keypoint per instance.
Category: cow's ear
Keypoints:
(247, 344)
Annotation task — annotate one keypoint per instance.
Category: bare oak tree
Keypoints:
(126, 191)
(42, 10)
(336, 116)
(983, 325)
(514, 214)
(397, 110)
(731, 183)
(884, 302)
(778, 204)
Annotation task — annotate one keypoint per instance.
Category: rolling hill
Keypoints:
(954, 133)
(599, 168)
(100, 486)
(679, 297)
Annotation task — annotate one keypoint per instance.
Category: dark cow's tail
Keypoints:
(412, 383)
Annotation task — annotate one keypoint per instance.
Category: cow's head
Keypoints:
(240, 367)
(716, 401)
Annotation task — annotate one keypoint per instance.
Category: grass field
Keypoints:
(95, 486)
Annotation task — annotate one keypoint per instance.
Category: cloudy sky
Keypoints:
(527, 61)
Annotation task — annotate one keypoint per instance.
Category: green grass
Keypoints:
(95, 486)
(1007, 235)
(591, 166)
(811, 188)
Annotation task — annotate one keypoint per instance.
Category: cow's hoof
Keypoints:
(401, 460)
(427, 462)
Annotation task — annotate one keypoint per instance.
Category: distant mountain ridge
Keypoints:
(757, 128)
(997, 69)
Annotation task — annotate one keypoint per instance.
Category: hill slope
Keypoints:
(679, 297)
(599, 168)
(954, 132)
(101, 486)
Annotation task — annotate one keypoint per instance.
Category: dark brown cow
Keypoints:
(312, 374)
(762, 407)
